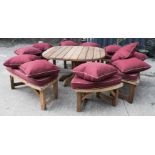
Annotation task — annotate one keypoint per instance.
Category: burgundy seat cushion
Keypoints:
(39, 68)
(38, 82)
(78, 83)
(90, 44)
(131, 65)
(28, 50)
(111, 49)
(93, 71)
(129, 77)
(125, 52)
(68, 43)
(16, 61)
(140, 56)
(42, 46)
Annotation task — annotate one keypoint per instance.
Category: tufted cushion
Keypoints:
(140, 56)
(39, 68)
(42, 46)
(111, 49)
(68, 43)
(90, 44)
(131, 65)
(125, 52)
(38, 82)
(28, 50)
(93, 71)
(78, 83)
(16, 61)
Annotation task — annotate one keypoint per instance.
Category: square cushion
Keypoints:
(39, 68)
(93, 71)
(28, 50)
(16, 61)
(79, 83)
(42, 46)
(90, 44)
(111, 49)
(38, 82)
(125, 52)
(131, 65)
(68, 43)
(140, 56)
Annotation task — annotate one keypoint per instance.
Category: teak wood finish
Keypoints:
(74, 53)
(131, 90)
(82, 94)
(40, 91)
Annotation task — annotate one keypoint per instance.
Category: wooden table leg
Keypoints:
(63, 77)
(55, 89)
(67, 81)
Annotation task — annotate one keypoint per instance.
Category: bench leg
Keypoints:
(115, 98)
(79, 100)
(55, 89)
(42, 100)
(131, 93)
(12, 82)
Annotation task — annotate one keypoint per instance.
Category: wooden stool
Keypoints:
(83, 93)
(40, 90)
(131, 90)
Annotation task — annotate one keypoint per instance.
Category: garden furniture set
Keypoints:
(32, 67)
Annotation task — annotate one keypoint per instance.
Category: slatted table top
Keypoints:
(74, 53)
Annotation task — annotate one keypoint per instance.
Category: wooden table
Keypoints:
(75, 54)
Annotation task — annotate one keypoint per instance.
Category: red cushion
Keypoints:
(16, 61)
(129, 77)
(78, 83)
(93, 71)
(111, 49)
(131, 65)
(39, 68)
(140, 56)
(68, 43)
(28, 50)
(90, 44)
(125, 52)
(38, 82)
(42, 46)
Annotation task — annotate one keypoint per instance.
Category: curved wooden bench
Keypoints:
(131, 90)
(82, 94)
(38, 89)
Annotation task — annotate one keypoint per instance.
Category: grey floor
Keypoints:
(23, 101)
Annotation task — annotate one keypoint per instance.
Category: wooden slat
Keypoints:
(54, 55)
(50, 51)
(95, 90)
(97, 54)
(83, 53)
(70, 53)
(102, 52)
(90, 53)
(76, 53)
(62, 54)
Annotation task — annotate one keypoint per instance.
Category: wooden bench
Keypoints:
(82, 94)
(131, 90)
(40, 90)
